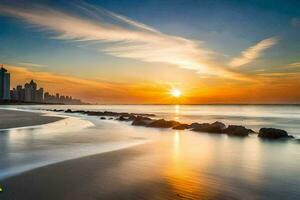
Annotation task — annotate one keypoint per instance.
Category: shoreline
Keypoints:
(84, 168)
(124, 174)
(10, 119)
(156, 170)
(218, 127)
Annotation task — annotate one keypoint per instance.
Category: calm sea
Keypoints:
(194, 164)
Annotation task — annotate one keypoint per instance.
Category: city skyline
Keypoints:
(133, 52)
(30, 93)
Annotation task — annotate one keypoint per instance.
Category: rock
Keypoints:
(79, 111)
(131, 117)
(141, 121)
(57, 110)
(161, 123)
(219, 125)
(181, 126)
(122, 118)
(216, 127)
(102, 118)
(272, 133)
(197, 126)
(110, 118)
(126, 117)
(237, 130)
(93, 113)
(68, 111)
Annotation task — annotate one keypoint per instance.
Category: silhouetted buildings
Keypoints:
(30, 92)
(4, 84)
(60, 99)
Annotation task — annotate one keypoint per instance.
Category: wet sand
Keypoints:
(173, 167)
(14, 119)
(141, 172)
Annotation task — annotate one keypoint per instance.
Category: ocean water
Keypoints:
(193, 165)
(285, 117)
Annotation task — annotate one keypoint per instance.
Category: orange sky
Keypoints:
(266, 90)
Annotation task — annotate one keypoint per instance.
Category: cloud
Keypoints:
(29, 64)
(294, 65)
(123, 37)
(254, 52)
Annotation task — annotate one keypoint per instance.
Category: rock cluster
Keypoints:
(104, 113)
(143, 119)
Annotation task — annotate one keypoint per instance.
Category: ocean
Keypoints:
(194, 164)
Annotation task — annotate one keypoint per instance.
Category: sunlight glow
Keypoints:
(176, 93)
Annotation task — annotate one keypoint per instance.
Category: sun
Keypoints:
(175, 92)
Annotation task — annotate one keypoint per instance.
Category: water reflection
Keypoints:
(194, 165)
(182, 172)
(22, 149)
(177, 112)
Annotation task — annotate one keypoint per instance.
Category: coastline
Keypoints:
(181, 164)
(17, 119)
(156, 170)
(55, 182)
(101, 176)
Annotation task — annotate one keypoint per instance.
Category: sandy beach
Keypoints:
(14, 119)
(140, 172)
(167, 164)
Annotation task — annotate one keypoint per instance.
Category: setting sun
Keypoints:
(176, 93)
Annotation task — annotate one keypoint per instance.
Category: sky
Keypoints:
(136, 52)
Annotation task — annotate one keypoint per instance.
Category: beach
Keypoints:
(134, 173)
(114, 160)
(15, 119)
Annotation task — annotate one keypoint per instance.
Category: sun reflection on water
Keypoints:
(177, 112)
(180, 173)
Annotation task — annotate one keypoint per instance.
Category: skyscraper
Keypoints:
(4, 84)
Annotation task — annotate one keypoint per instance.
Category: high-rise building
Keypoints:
(4, 84)
(21, 93)
(32, 94)
(27, 92)
(39, 96)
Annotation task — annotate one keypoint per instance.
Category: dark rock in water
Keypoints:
(141, 121)
(68, 111)
(197, 126)
(110, 118)
(272, 133)
(122, 118)
(216, 127)
(219, 125)
(103, 118)
(93, 113)
(79, 111)
(131, 117)
(126, 117)
(58, 110)
(161, 123)
(181, 126)
(251, 131)
(237, 130)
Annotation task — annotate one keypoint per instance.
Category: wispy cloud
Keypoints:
(294, 65)
(254, 52)
(29, 64)
(125, 37)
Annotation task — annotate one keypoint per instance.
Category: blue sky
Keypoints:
(224, 26)
(215, 38)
